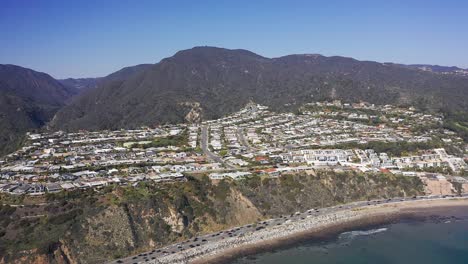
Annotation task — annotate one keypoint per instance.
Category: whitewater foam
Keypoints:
(353, 234)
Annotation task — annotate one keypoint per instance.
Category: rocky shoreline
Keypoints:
(316, 226)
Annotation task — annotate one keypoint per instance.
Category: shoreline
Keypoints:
(312, 227)
(231, 255)
(417, 212)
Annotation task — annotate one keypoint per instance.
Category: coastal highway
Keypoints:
(284, 219)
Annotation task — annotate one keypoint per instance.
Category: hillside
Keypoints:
(28, 99)
(216, 81)
(80, 84)
(440, 69)
(92, 227)
(84, 84)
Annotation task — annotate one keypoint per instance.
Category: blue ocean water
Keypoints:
(436, 241)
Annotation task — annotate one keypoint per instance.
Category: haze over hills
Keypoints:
(28, 99)
(80, 84)
(439, 69)
(208, 82)
(84, 84)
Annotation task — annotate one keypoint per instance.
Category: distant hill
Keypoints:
(440, 69)
(126, 72)
(80, 84)
(208, 82)
(84, 84)
(28, 99)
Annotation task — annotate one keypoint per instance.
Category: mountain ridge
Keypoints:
(209, 82)
(223, 80)
(28, 100)
(84, 84)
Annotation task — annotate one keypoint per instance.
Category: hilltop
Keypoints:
(213, 82)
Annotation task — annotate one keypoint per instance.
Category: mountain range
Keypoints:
(28, 100)
(208, 82)
(440, 69)
(80, 84)
(84, 84)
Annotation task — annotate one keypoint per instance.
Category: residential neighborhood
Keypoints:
(254, 141)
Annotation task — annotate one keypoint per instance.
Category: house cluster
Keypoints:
(309, 130)
(250, 112)
(193, 136)
(319, 157)
(433, 158)
(40, 188)
(230, 137)
(233, 175)
(96, 159)
(370, 160)
(289, 138)
(330, 135)
(215, 137)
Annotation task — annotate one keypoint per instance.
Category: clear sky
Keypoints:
(90, 38)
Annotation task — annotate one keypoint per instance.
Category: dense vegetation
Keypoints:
(173, 140)
(299, 192)
(457, 122)
(94, 226)
(223, 81)
(28, 99)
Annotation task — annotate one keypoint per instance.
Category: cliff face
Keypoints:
(59, 254)
(291, 193)
(92, 227)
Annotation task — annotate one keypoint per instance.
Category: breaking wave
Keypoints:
(352, 234)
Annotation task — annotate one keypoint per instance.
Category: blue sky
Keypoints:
(94, 38)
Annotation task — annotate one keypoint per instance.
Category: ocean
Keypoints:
(433, 240)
